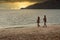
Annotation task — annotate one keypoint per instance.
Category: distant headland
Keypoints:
(50, 4)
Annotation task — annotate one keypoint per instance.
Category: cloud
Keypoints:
(20, 0)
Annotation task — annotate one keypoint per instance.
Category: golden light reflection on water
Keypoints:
(16, 5)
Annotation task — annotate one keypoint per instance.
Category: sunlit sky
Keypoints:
(17, 4)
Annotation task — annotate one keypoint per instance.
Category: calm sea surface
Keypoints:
(28, 16)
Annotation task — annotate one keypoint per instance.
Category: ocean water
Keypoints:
(28, 16)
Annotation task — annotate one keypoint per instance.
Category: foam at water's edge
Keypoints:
(24, 26)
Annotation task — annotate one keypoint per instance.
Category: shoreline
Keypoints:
(25, 26)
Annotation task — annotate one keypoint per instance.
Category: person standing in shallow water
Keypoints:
(38, 21)
(45, 20)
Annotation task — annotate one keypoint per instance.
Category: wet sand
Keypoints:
(51, 32)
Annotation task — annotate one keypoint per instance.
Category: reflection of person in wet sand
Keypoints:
(38, 21)
(45, 20)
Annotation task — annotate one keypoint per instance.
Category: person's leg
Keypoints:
(38, 25)
(45, 24)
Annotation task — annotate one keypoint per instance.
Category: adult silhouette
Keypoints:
(38, 21)
(45, 20)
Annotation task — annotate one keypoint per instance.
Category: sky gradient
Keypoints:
(20, 0)
(17, 4)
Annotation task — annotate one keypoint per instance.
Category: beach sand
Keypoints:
(51, 32)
